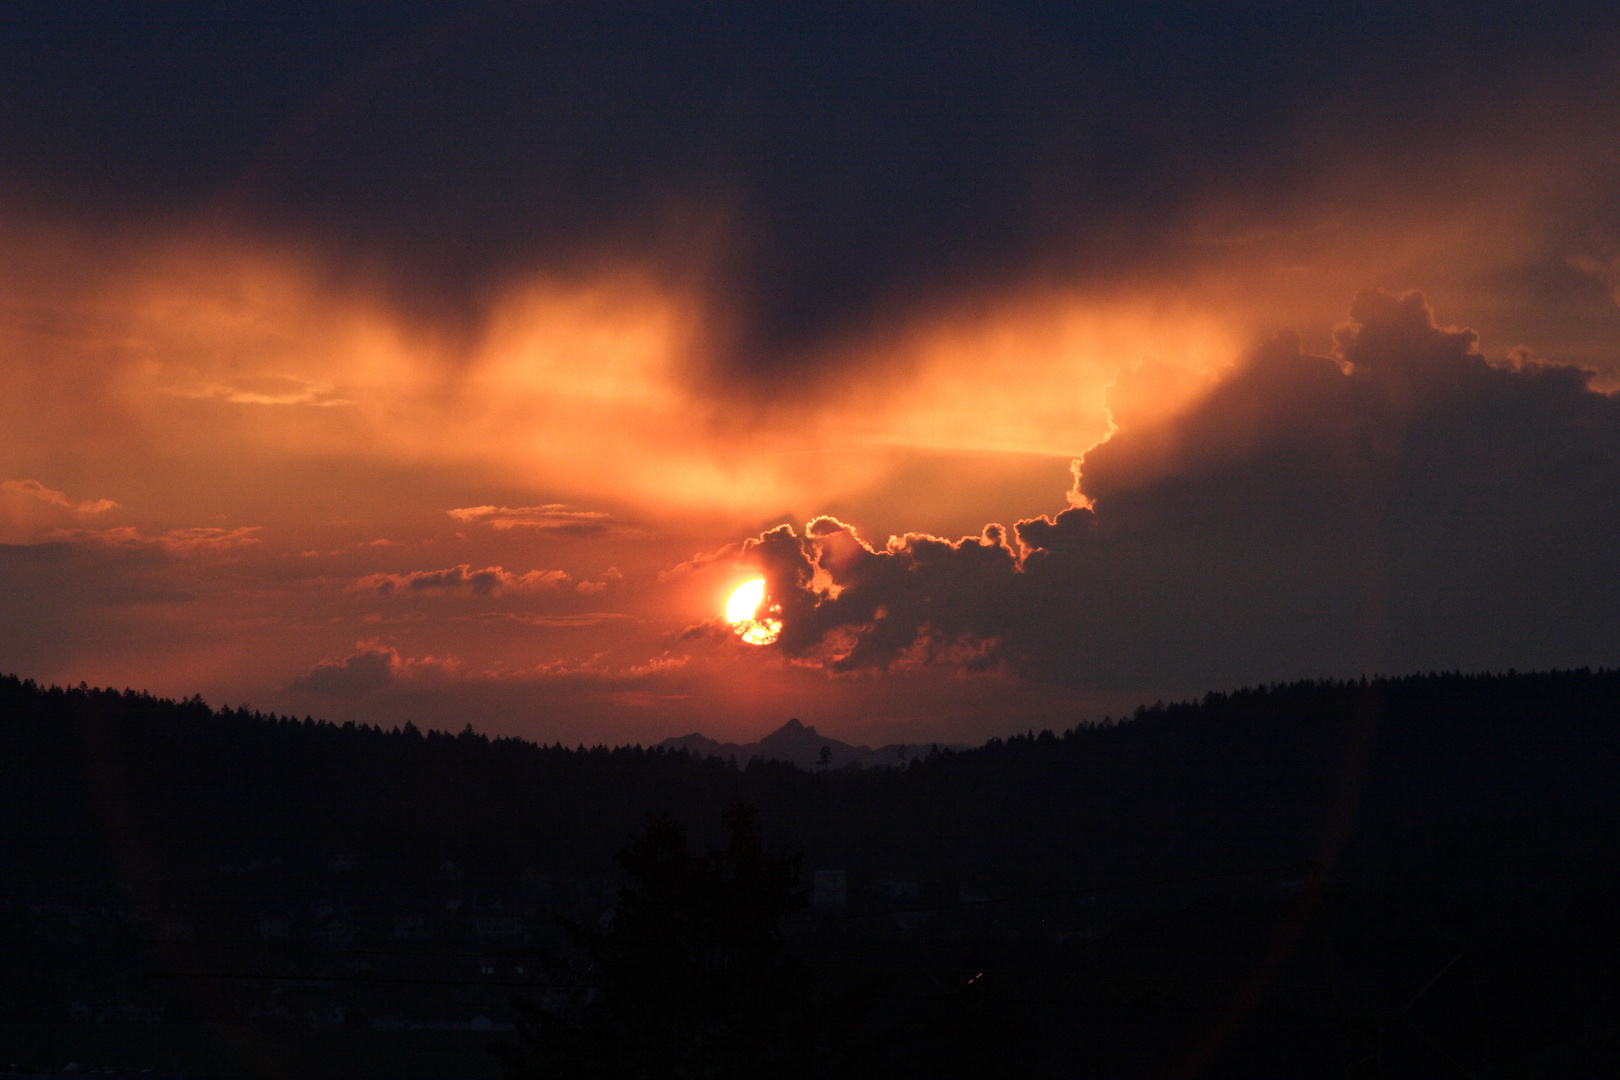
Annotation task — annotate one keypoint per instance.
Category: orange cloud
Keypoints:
(175, 541)
(483, 582)
(578, 619)
(596, 388)
(555, 517)
(36, 490)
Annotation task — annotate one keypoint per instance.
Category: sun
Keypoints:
(745, 600)
(742, 612)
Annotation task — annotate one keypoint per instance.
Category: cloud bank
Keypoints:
(1399, 504)
(489, 580)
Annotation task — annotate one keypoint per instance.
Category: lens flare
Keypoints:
(742, 612)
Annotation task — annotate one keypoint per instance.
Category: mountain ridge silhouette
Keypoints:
(801, 744)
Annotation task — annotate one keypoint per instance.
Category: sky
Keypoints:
(455, 363)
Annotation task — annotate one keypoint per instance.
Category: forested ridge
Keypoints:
(1427, 776)
(1345, 843)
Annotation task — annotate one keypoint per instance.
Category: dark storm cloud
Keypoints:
(920, 599)
(1399, 504)
(817, 167)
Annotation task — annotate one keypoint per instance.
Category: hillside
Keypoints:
(150, 844)
(1473, 778)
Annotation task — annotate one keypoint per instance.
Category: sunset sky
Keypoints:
(455, 364)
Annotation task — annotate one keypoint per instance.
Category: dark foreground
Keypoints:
(1408, 877)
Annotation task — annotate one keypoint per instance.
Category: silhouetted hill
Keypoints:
(398, 877)
(1432, 777)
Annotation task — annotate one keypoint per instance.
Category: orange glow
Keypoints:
(1028, 374)
(562, 386)
(249, 426)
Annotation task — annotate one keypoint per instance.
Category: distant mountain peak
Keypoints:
(796, 742)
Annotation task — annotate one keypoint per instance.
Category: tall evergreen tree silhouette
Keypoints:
(690, 976)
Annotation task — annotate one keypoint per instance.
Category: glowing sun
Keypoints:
(742, 612)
